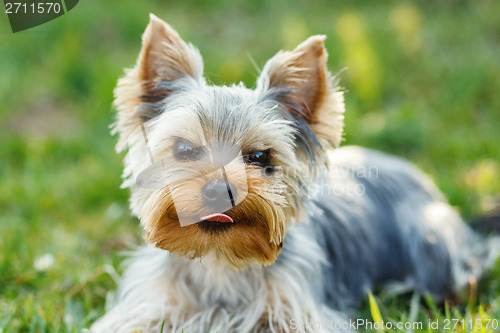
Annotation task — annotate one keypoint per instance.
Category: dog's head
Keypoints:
(218, 169)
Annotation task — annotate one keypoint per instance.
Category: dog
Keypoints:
(256, 221)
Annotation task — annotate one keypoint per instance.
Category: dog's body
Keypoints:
(331, 234)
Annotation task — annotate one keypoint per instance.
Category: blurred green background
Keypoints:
(422, 81)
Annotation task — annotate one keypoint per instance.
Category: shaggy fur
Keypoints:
(313, 231)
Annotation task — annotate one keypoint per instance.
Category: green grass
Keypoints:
(422, 81)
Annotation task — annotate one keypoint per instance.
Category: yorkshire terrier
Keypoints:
(256, 223)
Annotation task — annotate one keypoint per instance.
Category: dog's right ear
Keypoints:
(165, 64)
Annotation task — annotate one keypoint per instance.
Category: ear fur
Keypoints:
(164, 60)
(300, 80)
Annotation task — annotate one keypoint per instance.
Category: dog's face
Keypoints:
(222, 169)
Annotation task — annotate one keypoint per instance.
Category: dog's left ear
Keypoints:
(300, 81)
(166, 64)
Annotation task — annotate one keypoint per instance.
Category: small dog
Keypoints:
(255, 223)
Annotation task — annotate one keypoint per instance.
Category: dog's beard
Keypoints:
(255, 236)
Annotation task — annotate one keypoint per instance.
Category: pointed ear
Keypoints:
(300, 81)
(165, 64)
(165, 57)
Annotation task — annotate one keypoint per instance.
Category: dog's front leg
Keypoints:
(291, 306)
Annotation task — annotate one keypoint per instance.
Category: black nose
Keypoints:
(219, 195)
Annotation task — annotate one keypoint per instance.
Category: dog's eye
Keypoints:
(185, 150)
(259, 157)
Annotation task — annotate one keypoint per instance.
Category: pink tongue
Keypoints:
(217, 217)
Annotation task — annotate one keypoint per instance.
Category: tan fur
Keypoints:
(164, 56)
(304, 72)
(256, 236)
(271, 204)
(345, 244)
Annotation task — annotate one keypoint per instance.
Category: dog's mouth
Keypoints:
(216, 222)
